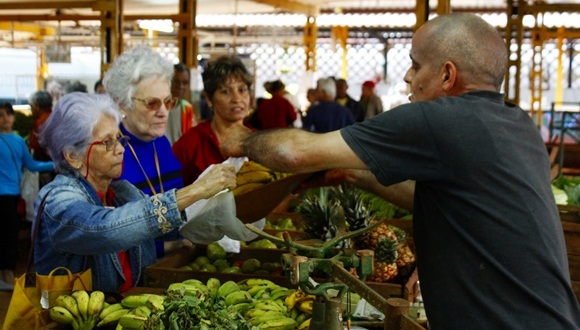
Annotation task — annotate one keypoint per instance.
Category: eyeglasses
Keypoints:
(154, 104)
(110, 144)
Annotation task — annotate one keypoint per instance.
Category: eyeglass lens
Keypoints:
(155, 103)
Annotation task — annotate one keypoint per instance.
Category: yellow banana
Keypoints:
(305, 325)
(246, 187)
(82, 298)
(291, 299)
(285, 323)
(112, 318)
(254, 176)
(96, 300)
(109, 309)
(250, 166)
(61, 315)
(306, 306)
(132, 321)
(70, 304)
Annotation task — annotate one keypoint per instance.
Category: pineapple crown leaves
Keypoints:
(321, 214)
(401, 234)
(355, 206)
(386, 250)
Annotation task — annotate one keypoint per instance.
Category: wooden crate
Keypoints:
(167, 270)
(570, 216)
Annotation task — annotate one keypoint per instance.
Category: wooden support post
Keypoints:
(396, 308)
(421, 13)
(187, 34)
(310, 35)
(111, 31)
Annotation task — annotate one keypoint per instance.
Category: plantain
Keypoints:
(246, 187)
(82, 298)
(141, 311)
(109, 309)
(112, 318)
(96, 300)
(70, 304)
(135, 300)
(242, 308)
(285, 323)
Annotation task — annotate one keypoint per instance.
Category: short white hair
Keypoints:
(327, 85)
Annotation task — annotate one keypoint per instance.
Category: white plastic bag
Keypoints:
(29, 191)
(214, 219)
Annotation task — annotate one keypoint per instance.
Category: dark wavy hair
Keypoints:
(218, 71)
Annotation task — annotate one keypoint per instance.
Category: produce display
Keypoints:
(253, 175)
(216, 260)
(250, 304)
(330, 211)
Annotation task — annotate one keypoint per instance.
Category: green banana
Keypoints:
(269, 305)
(190, 289)
(267, 317)
(259, 281)
(238, 297)
(285, 323)
(155, 302)
(257, 290)
(135, 300)
(112, 318)
(109, 309)
(61, 315)
(280, 293)
(242, 308)
(301, 318)
(70, 304)
(141, 311)
(304, 325)
(213, 285)
(252, 313)
(82, 298)
(132, 321)
(96, 300)
(226, 288)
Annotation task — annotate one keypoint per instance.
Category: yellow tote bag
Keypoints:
(35, 294)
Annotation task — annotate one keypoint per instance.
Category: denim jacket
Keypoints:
(78, 232)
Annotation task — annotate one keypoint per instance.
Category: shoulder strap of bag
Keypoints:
(35, 231)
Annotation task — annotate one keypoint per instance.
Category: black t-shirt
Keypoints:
(489, 241)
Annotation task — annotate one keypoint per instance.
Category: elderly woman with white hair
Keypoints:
(90, 219)
(139, 81)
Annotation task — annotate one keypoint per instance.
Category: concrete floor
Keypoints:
(24, 244)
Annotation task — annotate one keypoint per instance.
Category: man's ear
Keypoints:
(448, 76)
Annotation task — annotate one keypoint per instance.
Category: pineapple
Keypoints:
(406, 258)
(321, 215)
(357, 212)
(385, 267)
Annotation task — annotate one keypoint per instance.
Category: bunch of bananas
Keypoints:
(270, 308)
(253, 175)
(80, 309)
(86, 311)
(137, 308)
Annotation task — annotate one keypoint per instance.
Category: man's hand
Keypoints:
(232, 143)
(412, 286)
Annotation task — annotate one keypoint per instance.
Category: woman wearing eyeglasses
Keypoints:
(89, 218)
(139, 81)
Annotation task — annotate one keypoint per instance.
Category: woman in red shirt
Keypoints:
(227, 85)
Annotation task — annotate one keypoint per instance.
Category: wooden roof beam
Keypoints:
(292, 6)
(46, 5)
